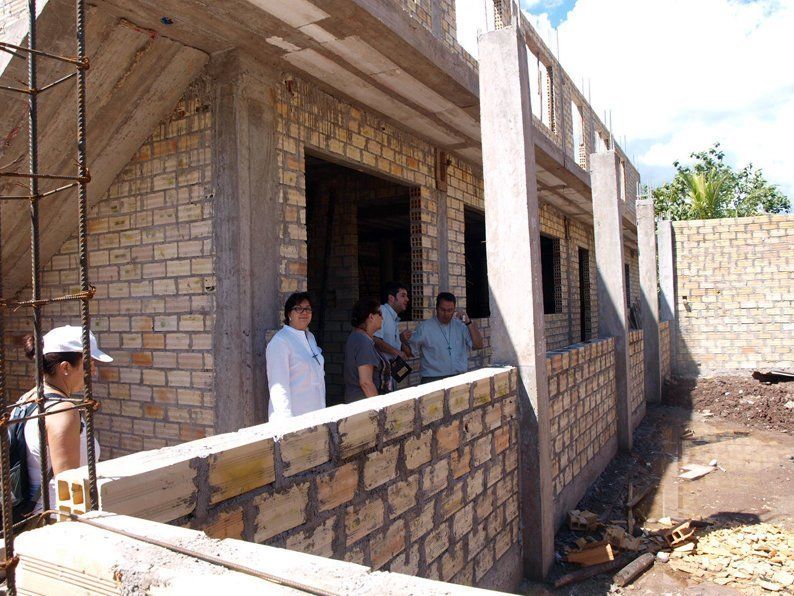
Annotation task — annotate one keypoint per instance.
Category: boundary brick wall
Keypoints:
(734, 294)
(665, 347)
(583, 417)
(423, 481)
(151, 261)
(636, 377)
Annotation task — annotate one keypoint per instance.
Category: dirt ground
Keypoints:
(745, 544)
(756, 403)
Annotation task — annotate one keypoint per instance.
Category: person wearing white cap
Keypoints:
(63, 377)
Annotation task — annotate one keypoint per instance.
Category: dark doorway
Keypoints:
(584, 294)
(358, 238)
(476, 265)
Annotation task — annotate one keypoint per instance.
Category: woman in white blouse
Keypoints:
(295, 373)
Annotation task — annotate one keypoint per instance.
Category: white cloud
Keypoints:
(681, 74)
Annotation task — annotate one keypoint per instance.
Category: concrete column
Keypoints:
(612, 311)
(245, 171)
(667, 281)
(646, 240)
(512, 230)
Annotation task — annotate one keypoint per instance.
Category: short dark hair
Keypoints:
(293, 301)
(392, 289)
(362, 309)
(445, 297)
(50, 361)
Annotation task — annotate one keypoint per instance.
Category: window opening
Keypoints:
(551, 274)
(477, 304)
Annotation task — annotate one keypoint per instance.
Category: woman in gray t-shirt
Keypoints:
(364, 366)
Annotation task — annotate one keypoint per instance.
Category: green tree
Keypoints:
(709, 188)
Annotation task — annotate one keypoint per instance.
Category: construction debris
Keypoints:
(582, 521)
(595, 554)
(753, 558)
(679, 535)
(634, 569)
(694, 471)
(588, 572)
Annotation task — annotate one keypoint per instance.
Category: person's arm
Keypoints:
(405, 338)
(365, 380)
(385, 348)
(277, 358)
(476, 336)
(63, 437)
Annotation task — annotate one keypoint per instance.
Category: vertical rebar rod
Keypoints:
(5, 455)
(82, 192)
(33, 148)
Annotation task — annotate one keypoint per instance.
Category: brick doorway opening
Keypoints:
(358, 238)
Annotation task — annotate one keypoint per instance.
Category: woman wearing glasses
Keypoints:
(366, 371)
(295, 373)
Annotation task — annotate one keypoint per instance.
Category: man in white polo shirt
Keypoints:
(388, 340)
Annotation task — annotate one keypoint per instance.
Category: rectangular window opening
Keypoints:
(577, 147)
(584, 294)
(551, 274)
(477, 304)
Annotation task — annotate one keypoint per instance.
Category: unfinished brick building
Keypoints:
(243, 150)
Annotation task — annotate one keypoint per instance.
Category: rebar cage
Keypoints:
(79, 180)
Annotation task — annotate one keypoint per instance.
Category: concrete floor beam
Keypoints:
(514, 275)
(612, 308)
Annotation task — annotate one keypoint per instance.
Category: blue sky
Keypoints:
(675, 86)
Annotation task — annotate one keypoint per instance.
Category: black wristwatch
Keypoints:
(467, 324)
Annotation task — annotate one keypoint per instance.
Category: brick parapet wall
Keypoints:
(423, 481)
(151, 261)
(636, 377)
(665, 347)
(583, 411)
(734, 294)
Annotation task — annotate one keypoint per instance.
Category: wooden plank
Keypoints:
(592, 556)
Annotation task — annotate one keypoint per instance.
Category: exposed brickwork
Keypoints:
(583, 406)
(424, 482)
(636, 377)
(734, 294)
(664, 350)
(151, 257)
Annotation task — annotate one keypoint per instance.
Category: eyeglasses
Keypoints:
(302, 309)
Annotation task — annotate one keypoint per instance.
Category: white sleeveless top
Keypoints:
(34, 452)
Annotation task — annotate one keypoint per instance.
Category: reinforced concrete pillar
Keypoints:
(612, 309)
(667, 283)
(512, 229)
(646, 240)
(245, 171)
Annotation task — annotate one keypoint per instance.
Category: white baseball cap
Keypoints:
(69, 338)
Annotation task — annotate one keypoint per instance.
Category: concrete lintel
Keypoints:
(513, 233)
(646, 231)
(612, 307)
(246, 236)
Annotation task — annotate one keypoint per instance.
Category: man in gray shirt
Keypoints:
(444, 341)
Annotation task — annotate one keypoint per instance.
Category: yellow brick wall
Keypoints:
(664, 349)
(151, 261)
(422, 482)
(583, 407)
(734, 294)
(636, 377)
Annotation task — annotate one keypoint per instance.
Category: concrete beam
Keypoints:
(133, 84)
(612, 308)
(646, 230)
(513, 232)
(666, 244)
(246, 236)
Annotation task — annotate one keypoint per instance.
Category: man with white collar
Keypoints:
(388, 340)
(445, 340)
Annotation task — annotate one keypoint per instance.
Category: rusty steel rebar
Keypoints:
(82, 198)
(87, 404)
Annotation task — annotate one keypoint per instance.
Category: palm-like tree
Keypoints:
(707, 194)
